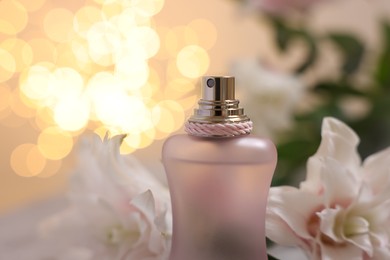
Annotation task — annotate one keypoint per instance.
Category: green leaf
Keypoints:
(352, 50)
(270, 257)
(292, 157)
(337, 89)
(312, 52)
(289, 149)
(285, 35)
(383, 68)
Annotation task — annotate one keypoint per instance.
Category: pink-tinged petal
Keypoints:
(381, 253)
(376, 170)
(338, 142)
(278, 231)
(380, 238)
(145, 203)
(340, 185)
(163, 222)
(77, 253)
(294, 207)
(378, 217)
(344, 252)
(330, 219)
(363, 242)
(313, 183)
(374, 206)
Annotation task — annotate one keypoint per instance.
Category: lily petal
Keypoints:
(338, 142)
(340, 185)
(363, 242)
(145, 203)
(294, 207)
(329, 223)
(376, 170)
(279, 231)
(347, 251)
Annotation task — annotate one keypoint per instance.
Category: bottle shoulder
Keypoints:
(241, 149)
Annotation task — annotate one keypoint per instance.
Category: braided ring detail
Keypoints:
(226, 129)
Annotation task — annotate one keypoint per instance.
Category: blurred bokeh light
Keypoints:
(96, 65)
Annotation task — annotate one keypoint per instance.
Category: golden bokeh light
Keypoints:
(130, 143)
(85, 18)
(44, 50)
(43, 119)
(102, 87)
(35, 161)
(128, 114)
(7, 65)
(21, 52)
(154, 81)
(180, 36)
(128, 19)
(19, 107)
(147, 137)
(101, 2)
(192, 61)
(13, 17)
(132, 74)
(71, 114)
(144, 39)
(58, 25)
(178, 88)
(188, 102)
(104, 39)
(100, 65)
(163, 53)
(168, 116)
(27, 161)
(54, 143)
(26, 101)
(35, 84)
(32, 5)
(111, 8)
(51, 168)
(5, 96)
(207, 30)
(145, 8)
(65, 83)
(171, 42)
(172, 71)
(66, 57)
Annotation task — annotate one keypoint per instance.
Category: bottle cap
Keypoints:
(218, 109)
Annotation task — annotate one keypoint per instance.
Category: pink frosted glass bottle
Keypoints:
(219, 180)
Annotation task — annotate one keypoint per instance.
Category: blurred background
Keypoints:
(71, 68)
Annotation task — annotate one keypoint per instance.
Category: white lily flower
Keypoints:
(118, 210)
(341, 210)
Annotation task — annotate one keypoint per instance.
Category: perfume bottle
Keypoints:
(219, 177)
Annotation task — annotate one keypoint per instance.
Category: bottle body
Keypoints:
(219, 188)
